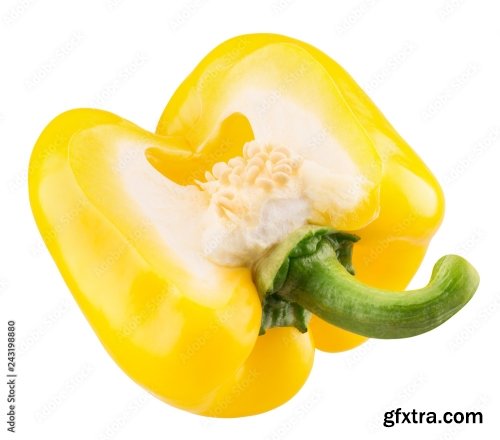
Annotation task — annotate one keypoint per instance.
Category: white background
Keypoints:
(433, 67)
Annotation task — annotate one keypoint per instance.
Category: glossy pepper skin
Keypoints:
(411, 207)
(199, 354)
(194, 347)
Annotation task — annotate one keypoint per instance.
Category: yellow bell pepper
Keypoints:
(125, 215)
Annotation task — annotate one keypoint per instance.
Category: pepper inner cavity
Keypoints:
(258, 198)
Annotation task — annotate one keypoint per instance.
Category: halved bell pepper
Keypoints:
(124, 213)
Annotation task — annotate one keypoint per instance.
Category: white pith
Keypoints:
(181, 227)
(257, 199)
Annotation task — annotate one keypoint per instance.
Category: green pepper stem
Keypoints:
(319, 282)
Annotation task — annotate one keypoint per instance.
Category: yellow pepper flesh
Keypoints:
(190, 355)
(411, 201)
(194, 346)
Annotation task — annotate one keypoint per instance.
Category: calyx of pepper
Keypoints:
(271, 272)
(311, 272)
